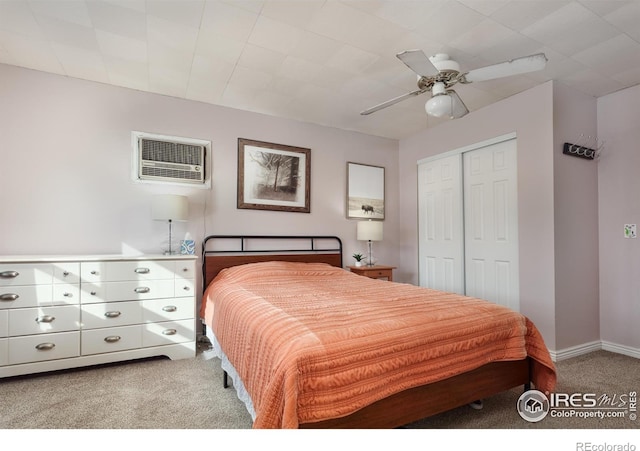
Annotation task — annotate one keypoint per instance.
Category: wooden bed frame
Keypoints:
(396, 410)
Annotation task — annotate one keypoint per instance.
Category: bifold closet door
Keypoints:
(468, 223)
(440, 224)
(491, 223)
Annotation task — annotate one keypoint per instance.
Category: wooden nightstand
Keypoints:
(375, 271)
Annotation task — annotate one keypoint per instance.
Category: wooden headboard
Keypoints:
(224, 251)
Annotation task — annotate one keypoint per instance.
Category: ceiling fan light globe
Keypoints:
(439, 106)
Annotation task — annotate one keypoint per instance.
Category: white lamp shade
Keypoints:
(440, 106)
(369, 230)
(165, 207)
(445, 103)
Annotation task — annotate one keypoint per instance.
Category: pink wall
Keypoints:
(66, 187)
(576, 221)
(529, 115)
(619, 200)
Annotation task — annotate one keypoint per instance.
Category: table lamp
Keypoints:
(369, 231)
(169, 207)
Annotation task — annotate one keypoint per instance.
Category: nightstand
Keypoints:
(375, 271)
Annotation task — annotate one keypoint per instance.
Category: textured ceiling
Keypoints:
(322, 61)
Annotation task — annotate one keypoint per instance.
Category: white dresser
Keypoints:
(64, 312)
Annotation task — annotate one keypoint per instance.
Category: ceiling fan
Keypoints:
(439, 73)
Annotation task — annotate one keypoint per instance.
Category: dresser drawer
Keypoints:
(4, 323)
(42, 320)
(127, 291)
(165, 333)
(66, 272)
(4, 351)
(66, 293)
(129, 270)
(111, 314)
(36, 348)
(26, 296)
(185, 269)
(25, 274)
(156, 310)
(99, 341)
(184, 288)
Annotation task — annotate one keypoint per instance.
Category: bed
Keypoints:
(309, 344)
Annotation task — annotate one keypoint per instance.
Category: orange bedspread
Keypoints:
(313, 342)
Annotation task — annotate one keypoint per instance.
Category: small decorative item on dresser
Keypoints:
(188, 247)
(358, 258)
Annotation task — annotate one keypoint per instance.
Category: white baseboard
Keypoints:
(575, 351)
(621, 349)
(585, 348)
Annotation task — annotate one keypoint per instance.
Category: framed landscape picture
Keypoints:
(365, 191)
(273, 176)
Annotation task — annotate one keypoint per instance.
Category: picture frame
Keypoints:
(365, 191)
(273, 176)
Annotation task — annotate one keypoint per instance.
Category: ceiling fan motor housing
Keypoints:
(442, 62)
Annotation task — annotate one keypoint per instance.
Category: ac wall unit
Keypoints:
(161, 158)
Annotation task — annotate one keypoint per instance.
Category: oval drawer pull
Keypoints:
(169, 308)
(9, 274)
(9, 297)
(45, 346)
(65, 273)
(45, 319)
(142, 270)
(113, 314)
(169, 332)
(186, 288)
(67, 295)
(93, 293)
(112, 338)
(94, 273)
(142, 290)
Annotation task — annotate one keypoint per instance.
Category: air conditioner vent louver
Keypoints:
(166, 159)
(170, 152)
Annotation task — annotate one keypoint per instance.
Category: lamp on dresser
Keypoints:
(169, 207)
(369, 231)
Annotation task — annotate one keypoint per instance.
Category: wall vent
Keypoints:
(169, 159)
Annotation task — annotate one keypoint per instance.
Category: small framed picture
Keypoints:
(365, 191)
(273, 176)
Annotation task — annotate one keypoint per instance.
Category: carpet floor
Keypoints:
(188, 394)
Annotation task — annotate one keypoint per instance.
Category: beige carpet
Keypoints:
(188, 394)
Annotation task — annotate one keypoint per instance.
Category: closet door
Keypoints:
(441, 257)
(491, 223)
(468, 223)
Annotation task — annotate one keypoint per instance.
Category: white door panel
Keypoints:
(441, 235)
(491, 223)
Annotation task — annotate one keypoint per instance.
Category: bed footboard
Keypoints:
(427, 400)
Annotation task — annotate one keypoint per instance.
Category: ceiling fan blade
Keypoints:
(516, 66)
(418, 62)
(458, 108)
(393, 101)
